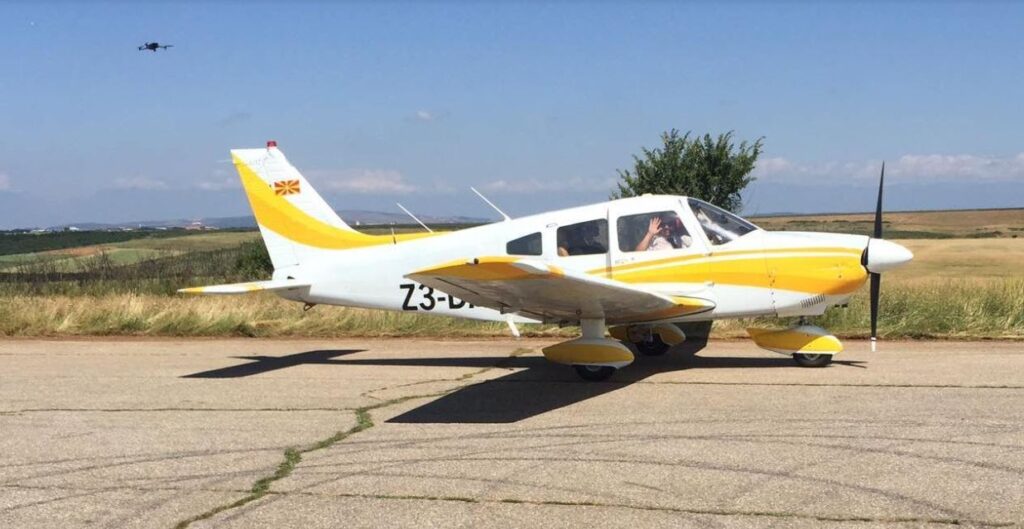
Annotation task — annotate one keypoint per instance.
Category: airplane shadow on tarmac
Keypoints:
(543, 386)
(535, 386)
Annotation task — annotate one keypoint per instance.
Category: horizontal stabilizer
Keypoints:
(245, 288)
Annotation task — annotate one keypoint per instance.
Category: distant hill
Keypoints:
(351, 216)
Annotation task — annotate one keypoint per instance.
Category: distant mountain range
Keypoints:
(351, 216)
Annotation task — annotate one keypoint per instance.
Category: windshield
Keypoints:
(719, 225)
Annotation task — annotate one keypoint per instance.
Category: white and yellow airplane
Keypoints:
(639, 265)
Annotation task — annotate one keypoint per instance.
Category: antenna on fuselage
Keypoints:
(489, 203)
(407, 212)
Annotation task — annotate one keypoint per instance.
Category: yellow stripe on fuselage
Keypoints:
(279, 215)
(829, 271)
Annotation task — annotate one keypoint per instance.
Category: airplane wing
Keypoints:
(552, 294)
(246, 288)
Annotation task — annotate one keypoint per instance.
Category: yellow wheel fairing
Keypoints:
(589, 351)
(806, 339)
(277, 214)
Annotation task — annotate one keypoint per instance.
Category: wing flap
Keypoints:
(551, 293)
(246, 288)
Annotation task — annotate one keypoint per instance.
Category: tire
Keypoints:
(594, 373)
(654, 347)
(812, 360)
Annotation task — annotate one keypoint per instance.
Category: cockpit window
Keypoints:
(527, 245)
(583, 238)
(719, 225)
(661, 230)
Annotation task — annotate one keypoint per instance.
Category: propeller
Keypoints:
(881, 255)
(876, 278)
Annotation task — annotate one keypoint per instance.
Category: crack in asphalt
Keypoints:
(364, 421)
(86, 490)
(655, 508)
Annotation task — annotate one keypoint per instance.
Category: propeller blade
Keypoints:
(876, 279)
(876, 287)
(878, 207)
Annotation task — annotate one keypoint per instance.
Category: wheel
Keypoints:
(594, 373)
(652, 347)
(812, 360)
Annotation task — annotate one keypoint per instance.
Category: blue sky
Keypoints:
(535, 104)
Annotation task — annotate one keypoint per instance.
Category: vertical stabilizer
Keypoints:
(295, 221)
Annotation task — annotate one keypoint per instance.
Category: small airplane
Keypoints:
(153, 46)
(637, 267)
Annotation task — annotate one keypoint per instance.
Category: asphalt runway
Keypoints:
(415, 433)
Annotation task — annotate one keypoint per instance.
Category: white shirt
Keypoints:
(659, 243)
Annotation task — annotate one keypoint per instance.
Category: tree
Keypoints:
(710, 169)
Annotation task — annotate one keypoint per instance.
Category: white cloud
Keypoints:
(139, 183)
(960, 167)
(5, 182)
(424, 115)
(532, 185)
(364, 181)
(915, 168)
(219, 185)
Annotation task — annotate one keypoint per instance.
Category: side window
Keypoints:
(660, 230)
(528, 245)
(584, 238)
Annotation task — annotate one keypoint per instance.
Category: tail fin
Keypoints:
(294, 219)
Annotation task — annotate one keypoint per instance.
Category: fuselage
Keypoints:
(744, 270)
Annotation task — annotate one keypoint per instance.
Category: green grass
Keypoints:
(24, 243)
(203, 241)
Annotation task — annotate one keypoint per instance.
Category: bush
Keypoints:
(253, 261)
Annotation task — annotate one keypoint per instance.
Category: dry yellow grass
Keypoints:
(952, 308)
(940, 259)
(252, 315)
(963, 223)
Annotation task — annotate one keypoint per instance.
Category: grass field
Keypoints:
(965, 308)
(942, 259)
(130, 251)
(1007, 223)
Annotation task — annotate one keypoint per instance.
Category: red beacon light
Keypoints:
(271, 144)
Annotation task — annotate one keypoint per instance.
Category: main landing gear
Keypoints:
(597, 358)
(594, 373)
(593, 356)
(812, 360)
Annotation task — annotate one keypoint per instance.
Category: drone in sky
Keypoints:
(153, 46)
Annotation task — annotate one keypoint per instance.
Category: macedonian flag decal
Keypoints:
(286, 187)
